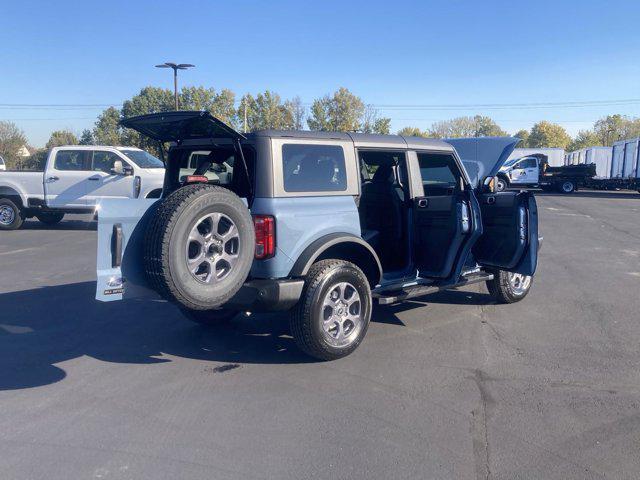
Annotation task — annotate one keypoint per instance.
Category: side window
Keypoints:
(72, 160)
(313, 168)
(440, 173)
(103, 161)
(531, 163)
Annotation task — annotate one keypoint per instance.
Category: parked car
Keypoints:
(3, 166)
(320, 224)
(75, 180)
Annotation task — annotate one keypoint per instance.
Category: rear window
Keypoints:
(313, 168)
(71, 160)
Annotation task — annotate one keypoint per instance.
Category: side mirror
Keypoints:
(118, 168)
(489, 184)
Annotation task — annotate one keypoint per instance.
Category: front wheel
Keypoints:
(509, 287)
(333, 314)
(501, 184)
(50, 218)
(11, 215)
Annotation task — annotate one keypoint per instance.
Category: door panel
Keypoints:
(509, 239)
(440, 229)
(65, 182)
(103, 184)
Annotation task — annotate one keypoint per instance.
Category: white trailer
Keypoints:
(600, 156)
(626, 157)
(555, 156)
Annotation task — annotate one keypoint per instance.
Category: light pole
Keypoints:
(175, 67)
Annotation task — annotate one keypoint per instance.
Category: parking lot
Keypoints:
(449, 387)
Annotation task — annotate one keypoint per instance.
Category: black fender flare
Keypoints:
(313, 252)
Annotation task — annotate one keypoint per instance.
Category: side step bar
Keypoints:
(388, 297)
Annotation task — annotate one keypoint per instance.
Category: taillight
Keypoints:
(265, 227)
(196, 179)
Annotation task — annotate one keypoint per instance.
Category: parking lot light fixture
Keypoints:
(175, 67)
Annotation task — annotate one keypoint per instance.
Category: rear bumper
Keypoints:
(267, 295)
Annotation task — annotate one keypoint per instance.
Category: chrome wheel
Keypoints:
(7, 215)
(213, 248)
(341, 315)
(501, 185)
(567, 187)
(519, 283)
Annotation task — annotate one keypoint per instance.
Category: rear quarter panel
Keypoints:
(299, 222)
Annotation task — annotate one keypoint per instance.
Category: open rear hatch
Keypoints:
(180, 126)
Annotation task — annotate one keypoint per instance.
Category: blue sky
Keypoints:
(401, 52)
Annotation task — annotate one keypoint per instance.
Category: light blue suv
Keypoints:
(321, 224)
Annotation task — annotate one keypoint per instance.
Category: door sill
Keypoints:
(388, 297)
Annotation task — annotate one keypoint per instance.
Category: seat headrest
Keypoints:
(384, 174)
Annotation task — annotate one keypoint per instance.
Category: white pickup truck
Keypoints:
(75, 180)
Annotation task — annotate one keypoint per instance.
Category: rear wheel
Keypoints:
(567, 186)
(50, 218)
(509, 287)
(211, 317)
(11, 215)
(199, 246)
(333, 314)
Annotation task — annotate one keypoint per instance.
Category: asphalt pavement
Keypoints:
(447, 387)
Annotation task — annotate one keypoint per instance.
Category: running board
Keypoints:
(387, 298)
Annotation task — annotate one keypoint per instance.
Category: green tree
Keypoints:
(372, 123)
(220, 105)
(11, 140)
(86, 138)
(265, 111)
(523, 135)
(477, 126)
(297, 113)
(107, 130)
(584, 139)
(612, 128)
(547, 134)
(60, 138)
(341, 112)
(412, 132)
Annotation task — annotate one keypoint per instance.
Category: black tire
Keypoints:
(501, 184)
(50, 218)
(211, 317)
(567, 187)
(166, 240)
(307, 316)
(11, 215)
(503, 290)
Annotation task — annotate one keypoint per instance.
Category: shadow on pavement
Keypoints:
(42, 327)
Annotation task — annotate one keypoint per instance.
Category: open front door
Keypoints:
(509, 239)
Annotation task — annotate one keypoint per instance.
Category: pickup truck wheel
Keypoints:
(567, 187)
(333, 314)
(509, 287)
(501, 184)
(50, 218)
(199, 246)
(210, 317)
(11, 215)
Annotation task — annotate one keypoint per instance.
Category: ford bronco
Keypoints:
(319, 224)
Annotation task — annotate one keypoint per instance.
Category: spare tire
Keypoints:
(199, 246)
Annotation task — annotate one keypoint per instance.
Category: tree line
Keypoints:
(338, 111)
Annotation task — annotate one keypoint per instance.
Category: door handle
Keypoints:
(94, 178)
(53, 179)
(423, 203)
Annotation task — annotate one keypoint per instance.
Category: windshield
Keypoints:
(143, 159)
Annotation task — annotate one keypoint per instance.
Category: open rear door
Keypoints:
(509, 239)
